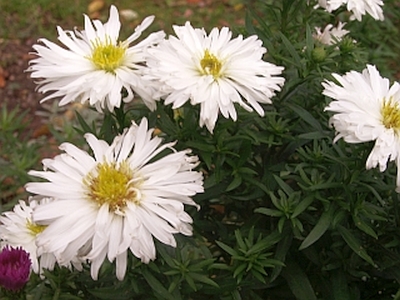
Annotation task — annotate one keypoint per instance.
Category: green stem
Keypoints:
(57, 294)
(120, 115)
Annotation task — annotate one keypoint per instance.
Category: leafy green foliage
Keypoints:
(18, 154)
(251, 258)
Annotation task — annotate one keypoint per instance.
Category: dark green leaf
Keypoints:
(306, 116)
(156, 285)
(319, 229)
(292, 50)
(283, 185)
(237, 181)
(302, 206)
(226, 248)
(269, 212)
(203, 279)
(298, 281)
(364, 227)
(354, 244)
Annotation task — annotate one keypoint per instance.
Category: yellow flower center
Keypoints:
(390, 112)
(113, 184)
(34, 229)
(107, 56)
(210, 64)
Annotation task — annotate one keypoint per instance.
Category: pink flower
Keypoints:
(15, 266)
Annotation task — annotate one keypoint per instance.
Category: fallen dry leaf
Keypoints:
(2, 78)
(95, 7)
(218, 208)
(40, 131)
(238, 6)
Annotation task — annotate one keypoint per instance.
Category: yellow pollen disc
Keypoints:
(390, 112)
(107, 56)
(112, 184)
(34, 228)
(210, 64)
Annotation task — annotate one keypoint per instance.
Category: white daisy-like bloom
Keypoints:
(330, 35)
(357, 7)
(366, 109)
(17, 229)
(214, 71)
(94, 65)
(117, 199)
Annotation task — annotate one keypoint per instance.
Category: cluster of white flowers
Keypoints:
(367, 109)
(18, 229)
(330, 35)
(115, 200)
(104, 205)
(212, 70)
(122, 196)
(357, 7)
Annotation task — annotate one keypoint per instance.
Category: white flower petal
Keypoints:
(357, 7)
(365, 109)
(18, 229)
(91, 218)
(236, 71)
(75, 72)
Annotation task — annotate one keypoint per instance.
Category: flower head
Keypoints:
(116, 200)
(17, 228)
(94, 65)
(366, 109)
(15, 268)
(330, 35)
(214, 71)
(357, 7)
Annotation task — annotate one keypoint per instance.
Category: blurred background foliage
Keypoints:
(38, 18)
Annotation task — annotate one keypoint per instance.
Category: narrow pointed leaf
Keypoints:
(354, 244)
(319, 229)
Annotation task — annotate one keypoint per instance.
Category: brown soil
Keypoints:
(17, 89)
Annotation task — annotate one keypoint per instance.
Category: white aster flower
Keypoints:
(117, 199)
(330, 35)
(366, 109)
(17, 229)
(94, 66)
(214, 71)
(357, 7)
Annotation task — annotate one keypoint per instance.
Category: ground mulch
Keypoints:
(17, 89)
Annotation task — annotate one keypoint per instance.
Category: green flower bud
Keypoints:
(347, 45)
(318, 54)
